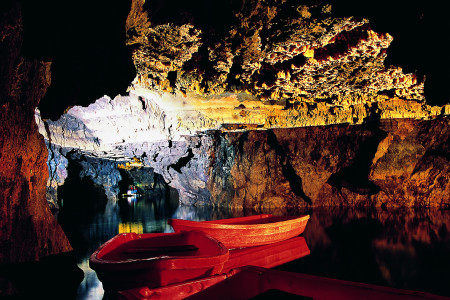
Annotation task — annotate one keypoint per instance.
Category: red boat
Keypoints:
(156, 259)
(246, 231)
(260, 283)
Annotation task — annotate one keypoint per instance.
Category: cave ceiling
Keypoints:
(278, 55)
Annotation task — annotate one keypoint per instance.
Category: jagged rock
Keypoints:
(102, 172)
(310, 166)
(57, 173)
(121, 129)
(411, 165)
(269, 64)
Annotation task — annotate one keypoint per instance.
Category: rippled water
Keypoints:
(403, 248)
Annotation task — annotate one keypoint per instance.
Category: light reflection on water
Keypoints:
(405, 248)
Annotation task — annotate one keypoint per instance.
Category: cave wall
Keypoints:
(381, 162)
(384, 163)
(28, 229)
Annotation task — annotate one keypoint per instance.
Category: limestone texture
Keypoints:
(278, 51)
(267, 64)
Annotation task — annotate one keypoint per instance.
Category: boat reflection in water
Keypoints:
(266, 256)
(261, 283)
(154, 260)
(247, 275)
(132, 199)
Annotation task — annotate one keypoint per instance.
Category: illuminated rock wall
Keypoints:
(381, 162)
(257, 65)
(388, 163)
(270, 64)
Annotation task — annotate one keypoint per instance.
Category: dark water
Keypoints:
(403, 248)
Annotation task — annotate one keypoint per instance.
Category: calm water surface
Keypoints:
(403, 248)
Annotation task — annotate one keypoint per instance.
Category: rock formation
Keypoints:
(380, 162)
(399, 162)
(279, 51)
(28, 229)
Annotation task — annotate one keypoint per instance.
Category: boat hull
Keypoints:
(247, 231)
(131, 260)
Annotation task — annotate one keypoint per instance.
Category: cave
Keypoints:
(213, 110)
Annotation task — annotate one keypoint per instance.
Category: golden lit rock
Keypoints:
(390, 163)
(312, 68)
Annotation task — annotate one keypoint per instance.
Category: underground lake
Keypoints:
(405, 248)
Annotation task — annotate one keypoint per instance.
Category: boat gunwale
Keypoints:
(160, 261)
(258, 226)
(241, 219)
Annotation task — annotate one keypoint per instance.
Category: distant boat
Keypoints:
(246, 231)
(156, 259)
(132, 192)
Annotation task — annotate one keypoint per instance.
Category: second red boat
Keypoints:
(247, 231)
(157, 259)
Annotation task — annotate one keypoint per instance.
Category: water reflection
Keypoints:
(267, 256)
(405, 248)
